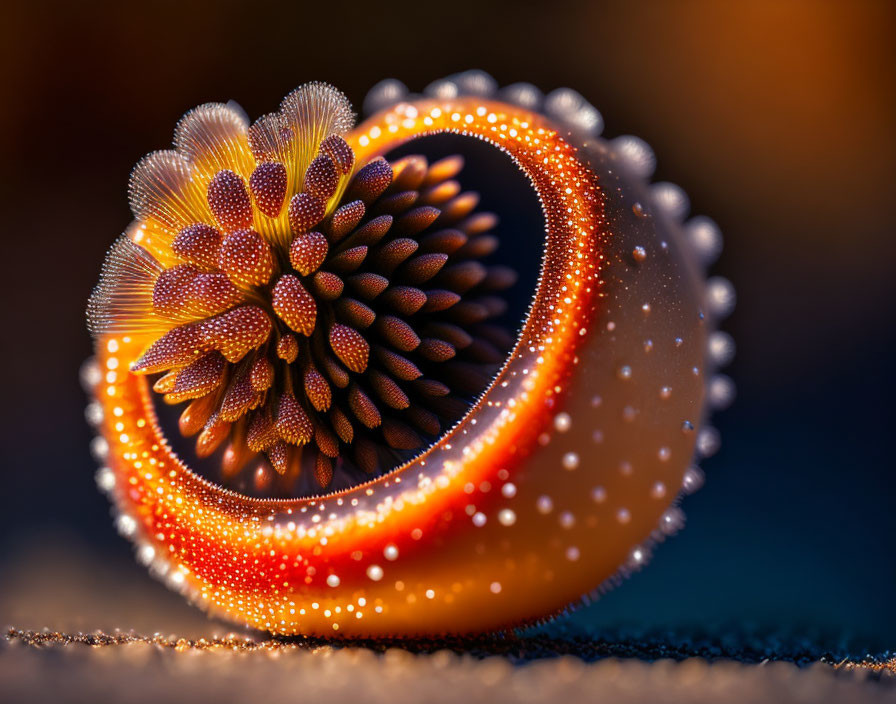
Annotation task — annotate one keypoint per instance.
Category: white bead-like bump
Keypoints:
(721, 392)
(570, 460)
(506, 517)
(720, 297)
(708, 442)
(105, 479)
(705, 238)
(523, 94)
(670, 199)
(383, 95)
(721, 348)
(562, 422)
(693, 479)
(638, 155)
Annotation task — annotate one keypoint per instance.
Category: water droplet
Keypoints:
(562, 422)
(506, 517)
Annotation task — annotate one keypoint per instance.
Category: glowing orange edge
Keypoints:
(294, 566)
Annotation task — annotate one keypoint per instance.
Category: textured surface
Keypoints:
(142, 672)
(59, 585)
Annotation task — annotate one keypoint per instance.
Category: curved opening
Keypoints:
(505, 191)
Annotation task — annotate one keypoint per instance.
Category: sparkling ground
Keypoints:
(69, 617)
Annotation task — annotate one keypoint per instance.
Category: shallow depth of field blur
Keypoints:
(776, 118)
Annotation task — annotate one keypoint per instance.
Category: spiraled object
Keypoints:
(565, 470)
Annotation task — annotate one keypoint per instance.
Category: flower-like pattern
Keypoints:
(560, 477)
(327, 316)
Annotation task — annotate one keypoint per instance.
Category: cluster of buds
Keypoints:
(328, 319)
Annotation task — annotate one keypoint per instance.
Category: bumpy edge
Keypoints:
(569, 109)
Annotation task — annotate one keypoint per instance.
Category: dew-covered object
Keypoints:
(389, 456)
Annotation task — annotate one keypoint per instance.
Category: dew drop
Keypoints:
(570, 460)
(506, 517)
(562, 422)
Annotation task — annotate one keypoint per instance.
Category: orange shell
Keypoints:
(564, 472)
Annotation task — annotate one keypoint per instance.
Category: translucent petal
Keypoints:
(271, 139)
(215, 136)
(162, 189)
(122, 301)
(311, 113)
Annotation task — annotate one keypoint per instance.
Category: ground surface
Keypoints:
(82, 629)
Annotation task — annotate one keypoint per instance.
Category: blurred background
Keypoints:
(776, 117)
